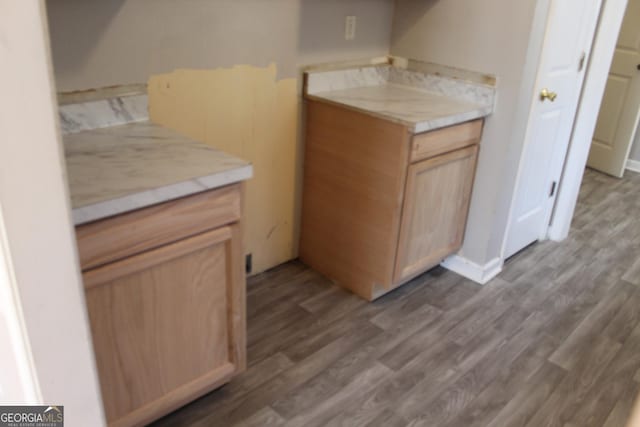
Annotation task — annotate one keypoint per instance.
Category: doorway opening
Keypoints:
(600, 51)
(616, 141)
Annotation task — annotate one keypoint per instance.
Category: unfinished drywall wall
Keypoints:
(116, 42)
(248, 112)
(490, 36)
(121, 42)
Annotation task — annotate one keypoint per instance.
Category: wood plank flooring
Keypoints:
(554, 340)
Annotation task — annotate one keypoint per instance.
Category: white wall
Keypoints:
(38, 245)
(18, 382)
(491, 36)
(99, 43)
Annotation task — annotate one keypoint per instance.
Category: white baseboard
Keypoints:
(478, 273)
(633, 165)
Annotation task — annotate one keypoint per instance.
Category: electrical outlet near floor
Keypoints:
(350, 27)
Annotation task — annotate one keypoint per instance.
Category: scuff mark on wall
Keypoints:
(246, 112)
(271, 231)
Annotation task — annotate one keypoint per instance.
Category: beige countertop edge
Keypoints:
(131, 202)
(419, 127)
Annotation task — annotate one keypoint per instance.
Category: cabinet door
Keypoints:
(167, 324)
(435, 210)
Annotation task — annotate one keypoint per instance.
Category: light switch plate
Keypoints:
(350, 27)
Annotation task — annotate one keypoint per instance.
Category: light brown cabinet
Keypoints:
(381, 205)
(434, 212)
(165, 294)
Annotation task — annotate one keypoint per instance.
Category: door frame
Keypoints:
(596, 73)
(604, 45)
(44, 311)
(618, 157)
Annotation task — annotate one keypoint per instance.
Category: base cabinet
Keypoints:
(381, 205)
(168, 323)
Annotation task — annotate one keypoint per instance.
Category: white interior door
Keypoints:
(570, 28)
(620, 108)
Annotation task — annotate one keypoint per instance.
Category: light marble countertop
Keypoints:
(420, 98)
(420, 110)
(122, 168)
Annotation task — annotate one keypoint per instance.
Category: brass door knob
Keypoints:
(547, 94)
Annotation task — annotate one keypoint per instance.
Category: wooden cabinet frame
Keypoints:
(168, 322)
(359, 187)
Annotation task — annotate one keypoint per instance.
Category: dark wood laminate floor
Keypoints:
(554, 340)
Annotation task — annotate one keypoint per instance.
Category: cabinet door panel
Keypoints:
(165, 325)
(435, 210)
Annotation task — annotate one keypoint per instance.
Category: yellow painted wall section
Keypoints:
(246, 112)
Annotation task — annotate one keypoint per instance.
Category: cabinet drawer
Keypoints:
(433, 143)
(124, 235)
